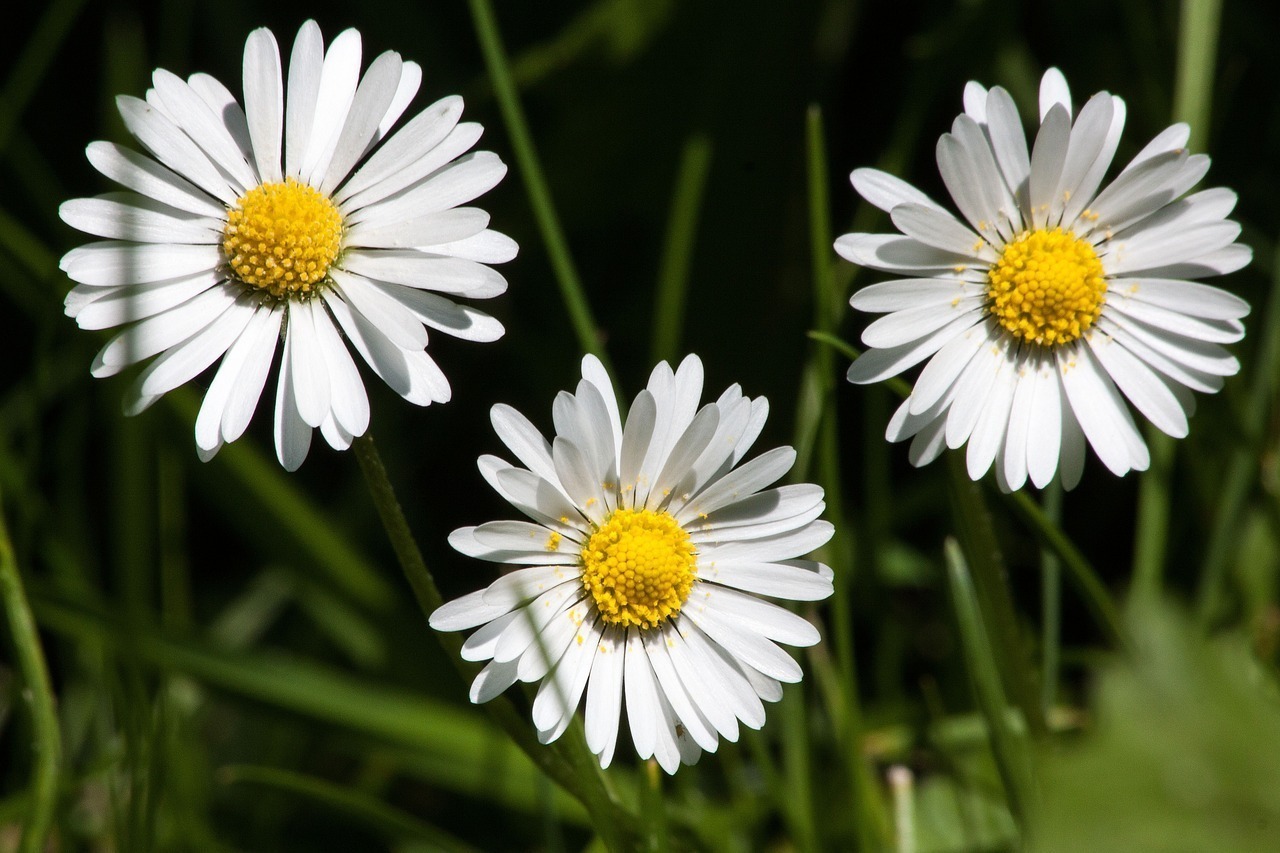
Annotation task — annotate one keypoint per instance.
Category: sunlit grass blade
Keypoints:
(530, 168)
(390, 821)
(1008, 745)
(677, 248)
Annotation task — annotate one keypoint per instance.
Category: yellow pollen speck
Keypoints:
(553, 541)
(282, 237)
(1047, 288)
(639, 568)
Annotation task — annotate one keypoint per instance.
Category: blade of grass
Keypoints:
(389, 820)
(1242, 465)
(1193, 96)
(37, 690)
(817, 435)
(544, 212)
(1050, 604)
(977, 537)
(677, 248)
(1008, 746)
(452, 745)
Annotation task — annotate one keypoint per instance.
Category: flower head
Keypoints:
(1056, 302)
(299, 220)
(647, 546)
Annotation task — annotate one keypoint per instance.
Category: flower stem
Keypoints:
(566, 762)
(39, 693)
(535, 184)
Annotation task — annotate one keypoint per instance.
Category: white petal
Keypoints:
(761, 472)
(338, 78)
(1100, 411)
(1054, 90)
(524, 440)
(1185, 245)
(1140, 385)
(902, 255)
(409, 145)
(604, 693)
(305, 64)
(1048, 155)
(878, 364)
(264, 100)
(173, 148)
(1044, 441)
(111, 263)
(1185, 297)
(944, 369)
(524, 585)
(445, 315)
(206, 129)
(492, 680)
(887, 192)
(116, 306)
(777, 580)
(386, 314)
(782, 546)
(941, 230)
(184, 361)
(904, 328)
(292, 434)
(161, 331)
(225, 385)
(458, 183)
(466, 612)
(426, 271)
(993, 420)
(371, 101)
(308, 380)
(144, 175)
(420, 231)
(128, 216)
(260, 341)
(348, 401)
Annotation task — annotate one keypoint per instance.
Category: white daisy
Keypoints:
(644, 551)
(1056, 302)
(295, 219)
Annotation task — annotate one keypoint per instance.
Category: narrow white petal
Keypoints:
(173, 148)
(1185, 297)
(944, 369)
(368, 107)
(348, 401)
(225, 386)
(1048, 155)
(339, 76)
(110, 307)
(408, 145)
(387, 315)
(444, 315)
(743, 481)
(993, 420)
(260, 341)
(306, 365)
(305, 64)
(1053, 91)
(878, 364)
(466, 612)
(887, 192)
(524, 440)
(161, 331)
(458, 183)
(128, 216)
(186, 360)
(292, 434)
(264, 100)
(1100, 411)
(426, 271)
(905, 328)
(1140, 385)
(604, 693)
(420, 231)
(777, 580)
(144, 175)
(206, 129)
(902, 255)
(1044, 441)
(523, 585)
(110, 263)
(492, 680)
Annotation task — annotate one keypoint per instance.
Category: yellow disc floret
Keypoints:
(282, 237)
(639, 567)
(1047, 288)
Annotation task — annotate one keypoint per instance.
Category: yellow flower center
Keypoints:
(639, 567)
(1047, 288)
(282, 237)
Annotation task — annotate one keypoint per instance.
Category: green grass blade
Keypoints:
(1008, 745)
(390, 821)
(677, 249)
(544, 212)
(37, 689)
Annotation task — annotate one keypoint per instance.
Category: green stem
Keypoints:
(567, 762)
(677, 251)
(39, 692)
(544, 212)
(1050, 604)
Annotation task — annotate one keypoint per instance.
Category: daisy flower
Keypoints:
(1051, 303)
(647, 546)
(299, 219)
